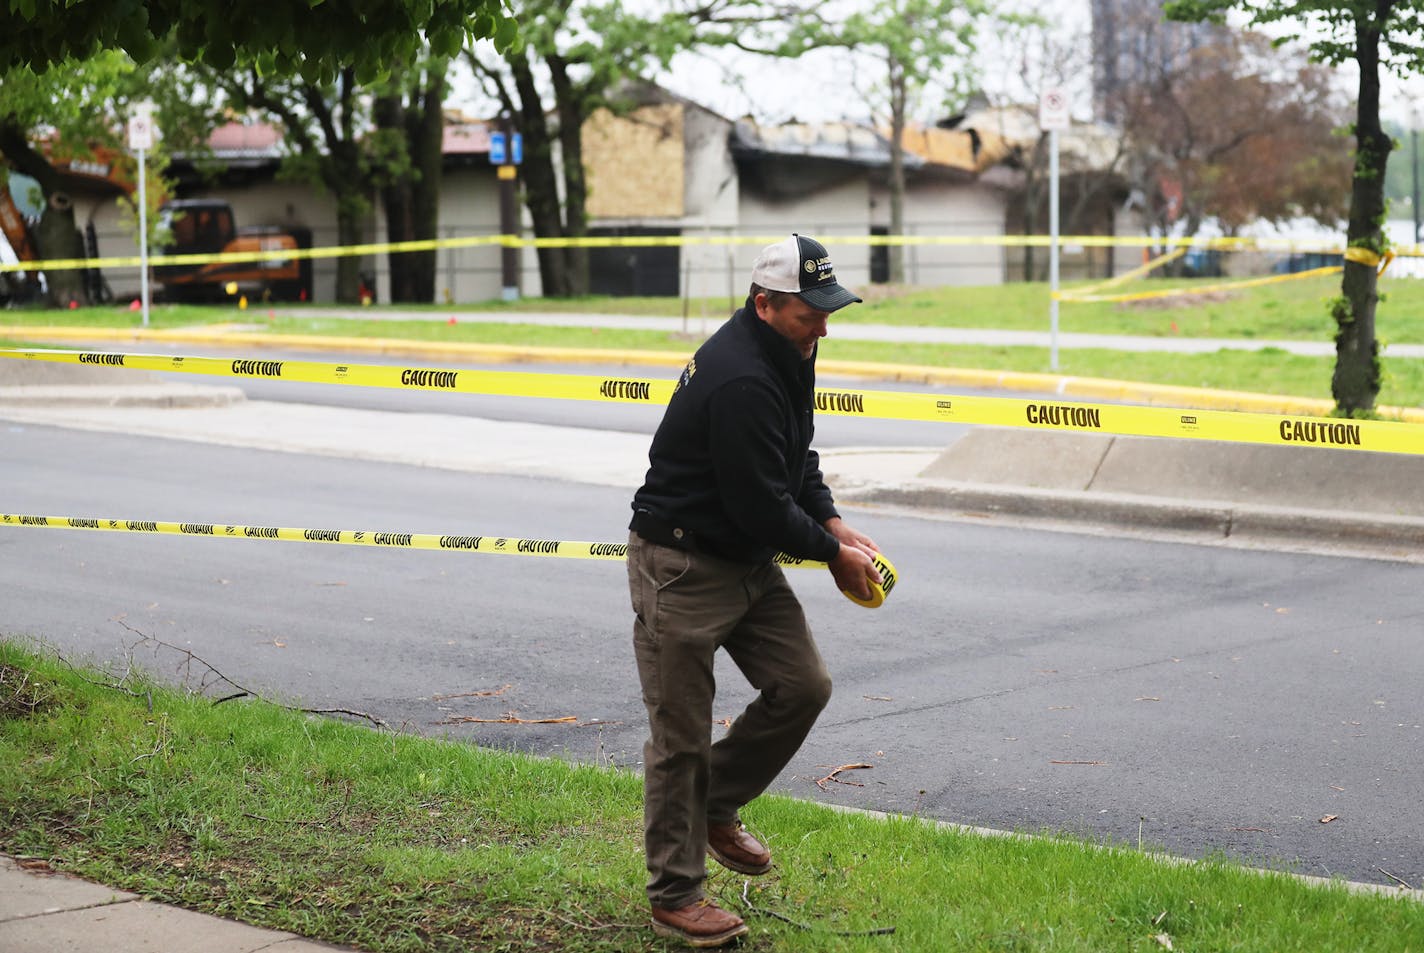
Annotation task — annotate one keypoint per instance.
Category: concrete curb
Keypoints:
(144, 395)
(1392, 537)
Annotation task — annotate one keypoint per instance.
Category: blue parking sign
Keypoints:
(496, 148)
(516, 149)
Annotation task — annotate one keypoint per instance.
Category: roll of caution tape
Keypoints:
(878, 592)
(1381, 436)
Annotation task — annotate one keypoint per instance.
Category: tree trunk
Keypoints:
(897, 169)
(573, 110)
(57, 236)
(427, 134)
(1356, 381)
(540, 182)
(389, 113)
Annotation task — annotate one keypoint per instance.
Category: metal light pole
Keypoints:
(1053, 115)
(141, 140)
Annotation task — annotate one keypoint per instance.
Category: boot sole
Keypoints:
(696, 940)
(740, 868)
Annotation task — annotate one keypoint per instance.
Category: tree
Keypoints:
(317, 40)
(574, 59)
(1042, 56)
(1371, 34)
(921, 44)
(409, 109)
(1236, 132)
(335, 147)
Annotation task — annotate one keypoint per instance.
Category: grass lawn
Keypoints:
(391, 842)
(1290, 311)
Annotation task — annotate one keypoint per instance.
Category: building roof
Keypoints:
(836, 141)
(246, 140)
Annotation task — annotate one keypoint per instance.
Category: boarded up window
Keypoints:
(634, 163)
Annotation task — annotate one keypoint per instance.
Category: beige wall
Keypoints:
(842, 209)
(937, 208)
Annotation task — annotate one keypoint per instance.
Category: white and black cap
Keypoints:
(800, 265)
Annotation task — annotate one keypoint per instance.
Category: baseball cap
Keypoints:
(801, 266)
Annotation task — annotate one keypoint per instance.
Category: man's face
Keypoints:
(794, 320)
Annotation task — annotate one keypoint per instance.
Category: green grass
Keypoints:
(398, 843)
(1289, 311)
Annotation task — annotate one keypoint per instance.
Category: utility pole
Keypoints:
(506, 152)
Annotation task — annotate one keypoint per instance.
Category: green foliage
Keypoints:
(1332, 23)
(313, 39)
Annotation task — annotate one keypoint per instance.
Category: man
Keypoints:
(732, 481)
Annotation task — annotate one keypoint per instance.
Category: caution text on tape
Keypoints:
(449, 543)
(1380, 436)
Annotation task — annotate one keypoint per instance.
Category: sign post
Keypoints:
(141, 140)
(1052, 118)
(506, 152)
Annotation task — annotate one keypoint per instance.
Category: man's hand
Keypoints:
(853, 567)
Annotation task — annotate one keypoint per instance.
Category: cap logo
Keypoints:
(810, 265)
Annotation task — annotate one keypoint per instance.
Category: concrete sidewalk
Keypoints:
(44, 911)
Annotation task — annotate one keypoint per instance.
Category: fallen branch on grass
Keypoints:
(750, 908)
(211, 676)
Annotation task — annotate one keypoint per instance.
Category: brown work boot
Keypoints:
(732, 847)
(701, 924)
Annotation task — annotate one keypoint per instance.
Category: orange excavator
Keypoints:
(207, 227)
(23, 285)
(198, 227)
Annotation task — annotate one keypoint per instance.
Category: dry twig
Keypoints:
(1399, 880)
(486, 693)
(508, 719)
(212, 676)
(750, 908)
(821, 782)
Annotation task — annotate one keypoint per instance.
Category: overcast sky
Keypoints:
(835, 84)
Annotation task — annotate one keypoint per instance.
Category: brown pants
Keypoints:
(687, 606)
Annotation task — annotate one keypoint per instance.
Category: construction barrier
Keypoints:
(1129, 420)
(463, 543)
(649, 241)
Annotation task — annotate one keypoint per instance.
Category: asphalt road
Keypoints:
(1206, 699)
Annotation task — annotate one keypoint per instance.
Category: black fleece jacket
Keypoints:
(731, 462)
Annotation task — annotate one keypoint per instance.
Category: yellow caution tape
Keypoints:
(1365, 256)
(1081, 295)
(1138, 272)
(1231, 426)
(660, 241)
(455, 381)
(450, 543)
